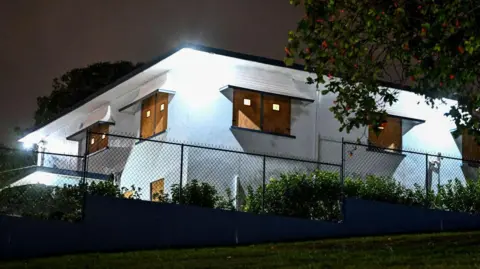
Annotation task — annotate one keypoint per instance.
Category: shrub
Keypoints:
(227, 203)
(460, 197)
(384, 189)
(314, 196)
(27, 200)
(253, 200)
(317, 195)
(195, 193)
(198, 193)
(61, 203)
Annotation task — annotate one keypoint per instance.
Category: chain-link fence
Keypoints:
(411, 178)
(42, 185)
(155, 170)
(52, 186)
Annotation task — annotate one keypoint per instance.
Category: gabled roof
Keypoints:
(157, 60)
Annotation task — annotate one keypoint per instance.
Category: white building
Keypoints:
(198, 95)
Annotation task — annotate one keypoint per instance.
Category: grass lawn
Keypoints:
(451, 250)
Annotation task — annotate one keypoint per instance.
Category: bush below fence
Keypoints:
(56, 203)
(314, 196)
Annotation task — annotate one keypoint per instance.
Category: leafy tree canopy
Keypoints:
(76, 85)
(431, 47)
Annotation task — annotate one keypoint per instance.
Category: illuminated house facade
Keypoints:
(199, 95)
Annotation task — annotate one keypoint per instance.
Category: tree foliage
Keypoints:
(76, 85)
(15, 163)
(430, 47)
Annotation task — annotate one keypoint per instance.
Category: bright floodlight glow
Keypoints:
(27, 145)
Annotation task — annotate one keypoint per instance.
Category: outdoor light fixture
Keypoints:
(246, 102)
(276, 107)
(162, 107)
(103, 136)
(148, 113)
(92, 141)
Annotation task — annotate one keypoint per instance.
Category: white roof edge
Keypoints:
(32, 138)
(149, 88)
(101, 114)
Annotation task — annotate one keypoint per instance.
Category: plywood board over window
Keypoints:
(128, 194)
(98, 139)
(276, 114)
(470, 148)
(154, 118)
(390, 137)
(156, 189)
(161, 112)
(147, 117)
(247, 109)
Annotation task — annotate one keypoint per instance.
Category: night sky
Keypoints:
(42, 39)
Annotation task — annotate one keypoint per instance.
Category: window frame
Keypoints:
(372, 146)
(475, 161)
(261, 109)
(96, 133)
(153, 115)
(153, 185)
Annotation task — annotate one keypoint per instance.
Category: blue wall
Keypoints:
(119, 225)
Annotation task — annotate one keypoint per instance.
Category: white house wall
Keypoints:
(199, 113)
(150, 161)
(431, 137)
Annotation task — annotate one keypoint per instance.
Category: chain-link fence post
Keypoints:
(264, 183)
(83, 182)
(84, 165)
(342, 180)
(181, 173)
(427, 179)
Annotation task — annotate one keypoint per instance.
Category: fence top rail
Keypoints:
(2, 148)
(412, 152)
(221, 149)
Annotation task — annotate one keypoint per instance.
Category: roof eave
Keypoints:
(197, 47)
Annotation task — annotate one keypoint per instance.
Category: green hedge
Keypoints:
(197, 193)
(317, 195)
(61, 203)
(313, 196)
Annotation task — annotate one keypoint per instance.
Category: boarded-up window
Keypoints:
(247, 109)
(161, 112)
(470, 148)
(276, 114)
(154, 115)
(157, 189)
(98, 138)
(390, 136)
(261, 112)
(128, 194)
(147, 118)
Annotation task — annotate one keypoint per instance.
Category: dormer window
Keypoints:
(261, 111)
(154, 115)
(98, 137)
(390, 136)
(470, 147)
